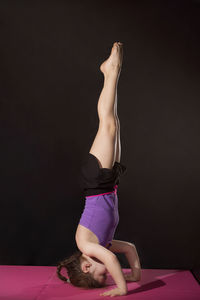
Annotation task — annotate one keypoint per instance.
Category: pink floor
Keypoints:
(41, 283)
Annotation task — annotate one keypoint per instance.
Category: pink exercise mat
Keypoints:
(41, 283)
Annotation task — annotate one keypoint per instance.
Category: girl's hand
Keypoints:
(114, 292)
(131, 277)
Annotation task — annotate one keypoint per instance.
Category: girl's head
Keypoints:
(83, 271)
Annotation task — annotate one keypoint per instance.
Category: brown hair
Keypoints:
(76, 276)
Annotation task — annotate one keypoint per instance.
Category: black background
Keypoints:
(50, 83)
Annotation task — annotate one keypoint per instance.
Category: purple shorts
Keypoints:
(101, 216)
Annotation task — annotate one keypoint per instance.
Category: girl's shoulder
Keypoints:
(83, 236)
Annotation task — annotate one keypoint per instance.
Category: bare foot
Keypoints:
(113, 64)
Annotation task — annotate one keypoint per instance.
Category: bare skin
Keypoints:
(99, 271)
(114, 62)
(107, 149)
(95, 267)
(111, 68)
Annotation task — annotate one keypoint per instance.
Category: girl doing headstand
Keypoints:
(100, 175)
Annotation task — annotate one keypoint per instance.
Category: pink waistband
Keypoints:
(115, 191)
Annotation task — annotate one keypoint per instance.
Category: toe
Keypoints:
(115, 47)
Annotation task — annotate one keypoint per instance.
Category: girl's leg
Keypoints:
(118, 141)
(106, 141)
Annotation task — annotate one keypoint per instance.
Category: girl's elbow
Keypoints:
(112, 256)
(130, 246)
